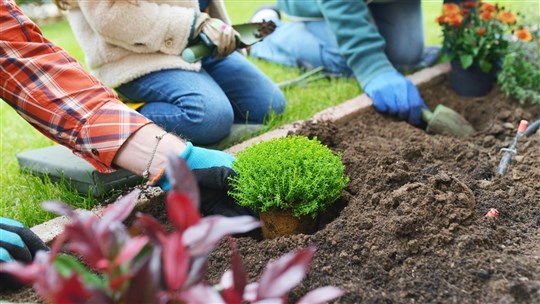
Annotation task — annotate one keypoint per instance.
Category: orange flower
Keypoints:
(507, 17)
(486, 15)
(524, 34)
(486, 7)
(481, 31)
(454, 20)
(450, 9)
(469, 4)
(441, 20)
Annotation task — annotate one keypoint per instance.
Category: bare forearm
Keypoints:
(137, 153)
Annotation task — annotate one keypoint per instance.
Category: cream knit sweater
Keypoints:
(125, 39)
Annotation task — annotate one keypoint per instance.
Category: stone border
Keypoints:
(338, 114)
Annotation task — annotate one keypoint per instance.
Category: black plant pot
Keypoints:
(470, 82)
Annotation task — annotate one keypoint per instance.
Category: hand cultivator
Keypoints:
(511, 150)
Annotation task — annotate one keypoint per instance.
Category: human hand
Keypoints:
(216, 33)
(19, 243)
(394, 94)
(212, 169)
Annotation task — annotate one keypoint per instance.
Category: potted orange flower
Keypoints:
(476, 36)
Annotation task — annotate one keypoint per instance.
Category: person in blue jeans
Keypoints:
(369, 40)
(202, 106)
(135, 47)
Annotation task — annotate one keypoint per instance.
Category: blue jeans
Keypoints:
(202, 106)
(312, 42)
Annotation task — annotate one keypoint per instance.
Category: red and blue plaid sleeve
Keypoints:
(56, 95)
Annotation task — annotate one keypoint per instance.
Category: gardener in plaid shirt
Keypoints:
(56, 95)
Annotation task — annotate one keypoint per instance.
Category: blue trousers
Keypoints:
(202, 106)
(312, 42)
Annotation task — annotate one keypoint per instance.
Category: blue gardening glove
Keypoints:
(212, 169)
(201, 158)
(394, 94)
(17, 242)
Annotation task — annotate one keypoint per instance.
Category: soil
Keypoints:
(411, 226)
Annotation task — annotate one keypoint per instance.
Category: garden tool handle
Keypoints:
(247, 34)
(196, 52)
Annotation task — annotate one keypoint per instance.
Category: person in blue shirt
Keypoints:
(370, 40)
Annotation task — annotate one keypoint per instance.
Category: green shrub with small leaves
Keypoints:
(290, 173)
(519, 77)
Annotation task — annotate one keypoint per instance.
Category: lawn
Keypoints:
(22, 193)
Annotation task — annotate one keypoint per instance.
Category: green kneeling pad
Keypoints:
(58, 161)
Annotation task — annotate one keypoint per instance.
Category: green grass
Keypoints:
(21, 193)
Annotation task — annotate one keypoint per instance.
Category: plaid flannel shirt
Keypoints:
(57, 96)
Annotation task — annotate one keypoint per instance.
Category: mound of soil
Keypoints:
(413, 228)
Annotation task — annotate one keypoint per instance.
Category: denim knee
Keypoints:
(277, 104)
(412, 56)
(201, 119)
(215, 125)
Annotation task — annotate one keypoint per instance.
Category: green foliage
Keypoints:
(291, 173)
(520, 73)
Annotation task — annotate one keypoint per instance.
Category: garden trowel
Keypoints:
(446, 121)
(250, 33)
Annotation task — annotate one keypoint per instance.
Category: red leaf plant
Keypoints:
(109, 265)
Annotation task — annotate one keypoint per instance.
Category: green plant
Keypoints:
(520, 72)
(291, 173)
(478, 32)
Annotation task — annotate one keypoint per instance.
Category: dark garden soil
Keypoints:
(413, 228)
(410, 226)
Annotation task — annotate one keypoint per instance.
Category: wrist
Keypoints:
(186, 153)
(383, 80)
(135, 153)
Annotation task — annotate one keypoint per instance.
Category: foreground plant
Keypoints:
(479, 33)
(291, 173)
(151, 265)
